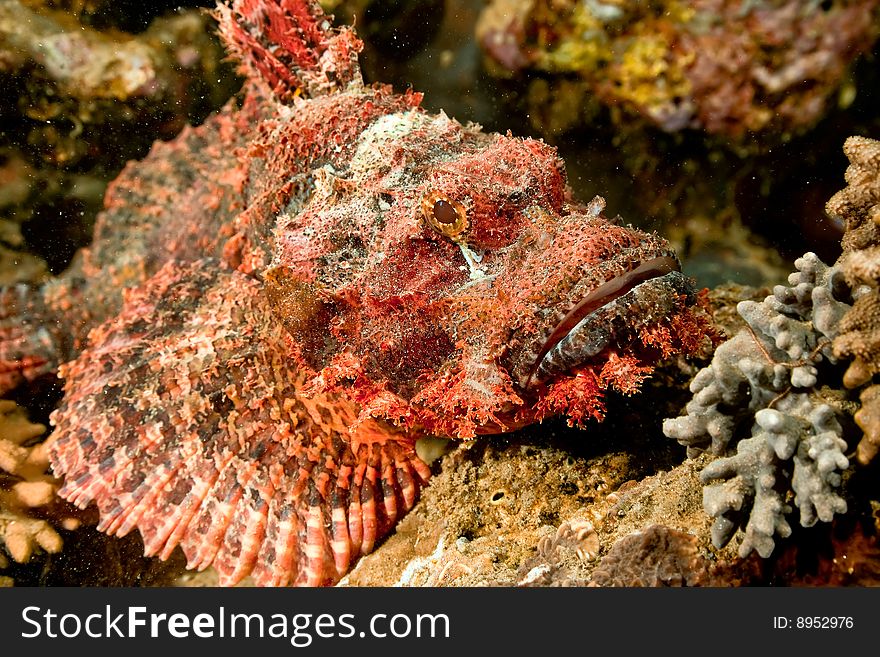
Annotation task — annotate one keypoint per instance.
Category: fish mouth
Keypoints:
(588, 328)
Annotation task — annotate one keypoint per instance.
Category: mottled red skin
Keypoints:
(266, 321)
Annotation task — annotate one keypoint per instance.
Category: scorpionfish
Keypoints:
(278, 303)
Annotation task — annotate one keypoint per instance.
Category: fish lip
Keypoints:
(599, 297)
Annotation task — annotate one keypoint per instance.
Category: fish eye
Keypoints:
(445, 215)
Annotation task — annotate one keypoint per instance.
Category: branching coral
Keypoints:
(858, 205)
(769, 372)
(28, 498)
(805, 434)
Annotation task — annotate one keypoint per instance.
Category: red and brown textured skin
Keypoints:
(267, 319)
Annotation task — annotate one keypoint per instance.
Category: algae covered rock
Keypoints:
(729, 68)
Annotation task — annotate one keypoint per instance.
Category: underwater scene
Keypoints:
(440, 293)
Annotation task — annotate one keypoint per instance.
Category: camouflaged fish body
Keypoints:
(278, 303)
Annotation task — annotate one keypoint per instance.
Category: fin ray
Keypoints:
(184, 423)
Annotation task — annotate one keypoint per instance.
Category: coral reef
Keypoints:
(30, 510)
(576, 503)
(80, 101)
(732, 69)
(302, 286)
(694, 180)
(858, 205)
(523, 509)
(769, 373)
(576, 537)
(76, 87)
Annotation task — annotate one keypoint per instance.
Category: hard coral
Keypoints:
(574, 538)
(730, 68)
(769, 373)
(654, 556)
(858, 205)
(29, 507)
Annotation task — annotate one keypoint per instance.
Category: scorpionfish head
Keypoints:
(444, 278)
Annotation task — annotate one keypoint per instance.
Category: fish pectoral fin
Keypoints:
(182, 419)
